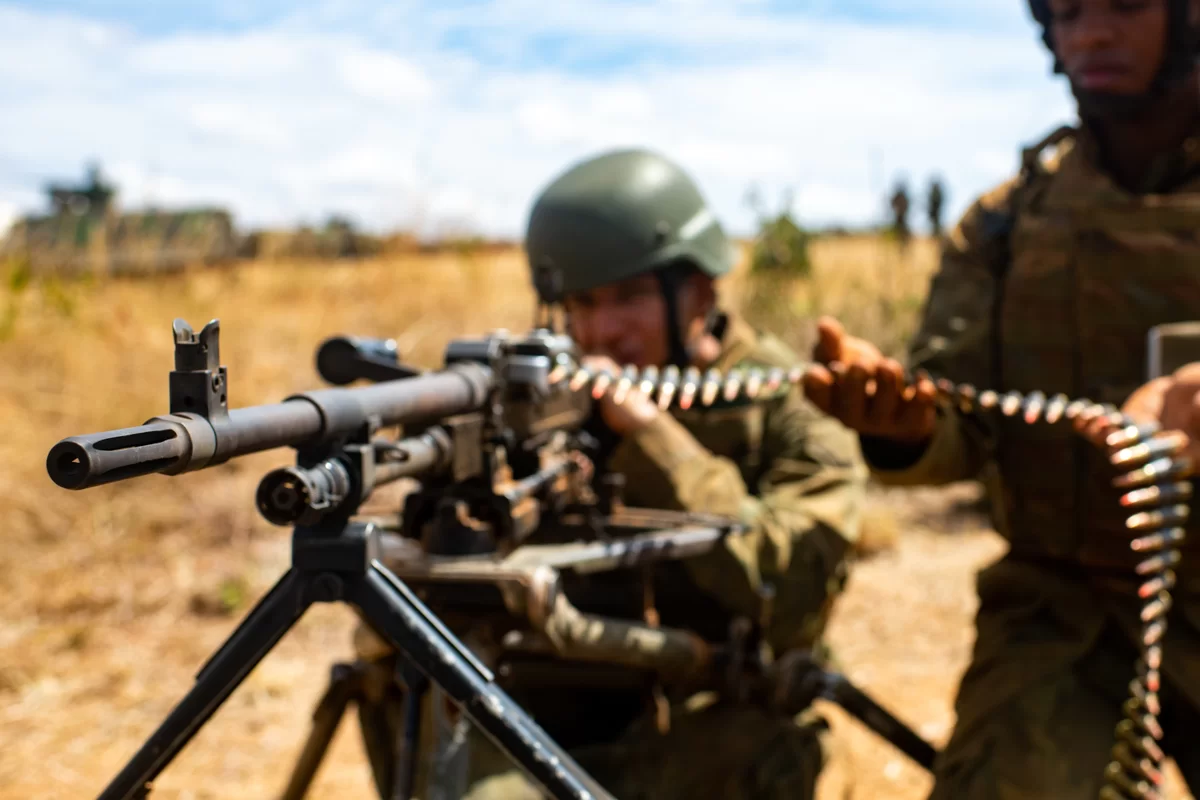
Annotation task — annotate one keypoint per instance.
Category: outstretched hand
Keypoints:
(853, 382)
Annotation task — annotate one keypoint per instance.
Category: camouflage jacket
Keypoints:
(792, 475)
(1051, 282)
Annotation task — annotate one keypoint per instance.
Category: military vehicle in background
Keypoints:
(83, 233)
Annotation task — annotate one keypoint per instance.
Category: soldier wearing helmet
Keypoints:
(1052, 282)
(634, 251)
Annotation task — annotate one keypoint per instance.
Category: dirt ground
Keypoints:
(902, 632)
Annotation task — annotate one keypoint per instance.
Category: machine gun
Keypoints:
(499, 442)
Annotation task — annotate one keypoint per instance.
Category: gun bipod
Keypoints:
(341, 565)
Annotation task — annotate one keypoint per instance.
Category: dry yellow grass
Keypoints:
(115, 596)
(874, 288)
(108, 591)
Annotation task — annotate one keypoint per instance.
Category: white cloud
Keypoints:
(368, 165)
(8, 215)
(423, 112)
(380, 76)
(240, 123)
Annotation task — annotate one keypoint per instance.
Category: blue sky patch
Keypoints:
(404, 114)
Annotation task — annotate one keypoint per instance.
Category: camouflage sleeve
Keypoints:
(954, 341)
(801, 515)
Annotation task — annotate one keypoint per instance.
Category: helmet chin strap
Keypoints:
(677, 352)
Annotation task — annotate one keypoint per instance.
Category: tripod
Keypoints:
(341, 562)
(363, 683)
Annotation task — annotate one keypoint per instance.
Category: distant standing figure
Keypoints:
(936, 197)
(900, 205)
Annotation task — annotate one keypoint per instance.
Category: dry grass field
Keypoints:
(114, 597)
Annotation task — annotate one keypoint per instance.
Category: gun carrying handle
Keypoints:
(342, 360)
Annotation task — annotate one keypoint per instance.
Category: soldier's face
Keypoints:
(1110, 46)
(626, 321)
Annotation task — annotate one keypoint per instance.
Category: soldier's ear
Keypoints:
(702, 292)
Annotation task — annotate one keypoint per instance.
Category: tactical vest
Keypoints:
(1090, 269)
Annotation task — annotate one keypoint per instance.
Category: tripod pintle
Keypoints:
(197, 385)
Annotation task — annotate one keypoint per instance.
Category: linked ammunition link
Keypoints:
(682, 386)
(1155, 482)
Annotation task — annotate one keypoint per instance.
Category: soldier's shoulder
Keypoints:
(1048, 154)
(768, 350)
(988, 220)
(1040, 161)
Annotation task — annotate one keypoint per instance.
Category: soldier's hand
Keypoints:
(1173, 401)
(636, 410)
(703, 348)
(853, 382)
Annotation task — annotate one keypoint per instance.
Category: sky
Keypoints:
(446, 116)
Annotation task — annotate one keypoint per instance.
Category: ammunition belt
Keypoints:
(1155, 490)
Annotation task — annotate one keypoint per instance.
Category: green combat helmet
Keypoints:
(618, 215)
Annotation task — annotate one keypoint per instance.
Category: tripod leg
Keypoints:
(404, 621)
(449, 772)
(345, 686)
(377, 723)
(839, 690)
(406, 759)
(265, 625)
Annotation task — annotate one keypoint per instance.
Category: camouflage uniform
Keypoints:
(1085, 269)
(796, 478)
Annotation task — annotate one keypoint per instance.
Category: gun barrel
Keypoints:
(97, 458)
(185, 442)
(431, 450)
